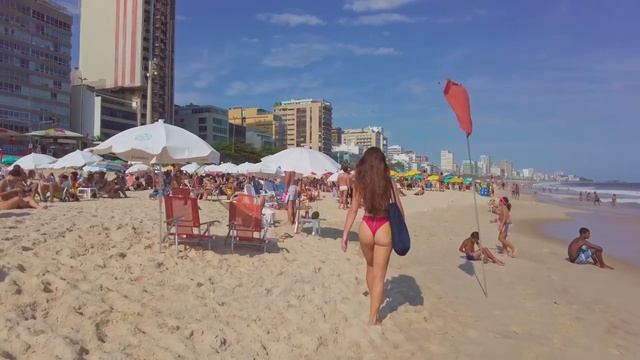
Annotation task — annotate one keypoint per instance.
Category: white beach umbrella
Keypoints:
(138, 169)
(247, 168)
(227, 168)
(34, 161)
(303, 161)
(191, 168)
(209, 169)
(158, 143)
(75, 160)
(266, 170)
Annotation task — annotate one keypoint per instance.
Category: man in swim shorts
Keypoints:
(344, 184)
(468, 247)
(581, 250)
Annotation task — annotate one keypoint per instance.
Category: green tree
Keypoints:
(397, 166)
(241, 152)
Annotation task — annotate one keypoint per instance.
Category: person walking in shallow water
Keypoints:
(614, 200)
(596, 198)
(372, 189)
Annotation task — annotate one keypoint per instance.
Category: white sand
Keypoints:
(87, 279)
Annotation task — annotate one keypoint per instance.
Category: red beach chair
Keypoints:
(245, 222)
(183, 221)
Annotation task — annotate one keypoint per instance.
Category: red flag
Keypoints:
(458, 99)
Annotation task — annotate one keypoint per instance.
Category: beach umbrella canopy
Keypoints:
(34, 161)
(302, 161)
(9, 160)
(247, 168)
(138, 169)
(227, 168)
(75, 160)
(457, 180)
(55, 133)
(394, 173)
(208, 169)
(158, 143)
(468, 181)
(105, 166)
(266, 170)
(6, 133)
(434, 178)
(191, 168)
(411, 173)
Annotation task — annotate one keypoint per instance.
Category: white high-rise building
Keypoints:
(495, 170)
(393, 150)
(527, 173)
(484, 165)
(446, 161)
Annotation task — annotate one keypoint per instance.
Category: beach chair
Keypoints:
(246, 226)
(182, 218)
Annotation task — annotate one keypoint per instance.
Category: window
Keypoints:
(24, 63)
(54, 96)
(202, 128)
(202, 120)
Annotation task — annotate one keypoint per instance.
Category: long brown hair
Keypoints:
(373, 181)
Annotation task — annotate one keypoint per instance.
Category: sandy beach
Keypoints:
(87, 280)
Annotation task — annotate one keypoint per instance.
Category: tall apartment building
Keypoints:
(446, 161)
(118, 38)
(470, 167)
(484, 165)
(393, 150)
(35, 55)
(372, 136)
(336, 136)
(210, 123)
(308, 123)
(260, 120)
(506, 168)
(99, 114)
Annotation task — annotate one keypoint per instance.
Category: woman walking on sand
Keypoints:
(504, 222)
(372, 190)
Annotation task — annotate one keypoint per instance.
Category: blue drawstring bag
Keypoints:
(399, 232)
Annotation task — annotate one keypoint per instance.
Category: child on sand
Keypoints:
(468, 247)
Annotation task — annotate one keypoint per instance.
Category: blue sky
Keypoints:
(553, 84)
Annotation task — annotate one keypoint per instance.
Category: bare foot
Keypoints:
(377, 322)
(513, 252)
(606, 267)
(498, 262)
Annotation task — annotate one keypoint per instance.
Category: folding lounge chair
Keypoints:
(183, 221)
(246, 226)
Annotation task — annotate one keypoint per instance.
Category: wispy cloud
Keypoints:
(204, 70)
(73, 6)
(376, 51)
(374, 5)
(270, 86)
(379, 19)
(299, 55)
(296, 55)
(250, 40)
(181, 17)
(291, 20)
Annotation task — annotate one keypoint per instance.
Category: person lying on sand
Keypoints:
(581, 250)
(468, 247)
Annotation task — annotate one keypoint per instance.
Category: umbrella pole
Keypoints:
(475, 207)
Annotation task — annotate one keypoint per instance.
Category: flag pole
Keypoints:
(475, 207)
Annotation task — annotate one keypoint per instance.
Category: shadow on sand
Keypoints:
(333, 233)
(469, 268)
(8, 215)
(400, 290)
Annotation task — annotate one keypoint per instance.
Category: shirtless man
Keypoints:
(581, 250)
(344, 184)
(468, 247)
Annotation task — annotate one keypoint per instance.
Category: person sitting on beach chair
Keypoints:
(581, 250)
(14, 195)
(468, 247)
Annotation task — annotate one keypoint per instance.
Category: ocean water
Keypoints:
(616, 229)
